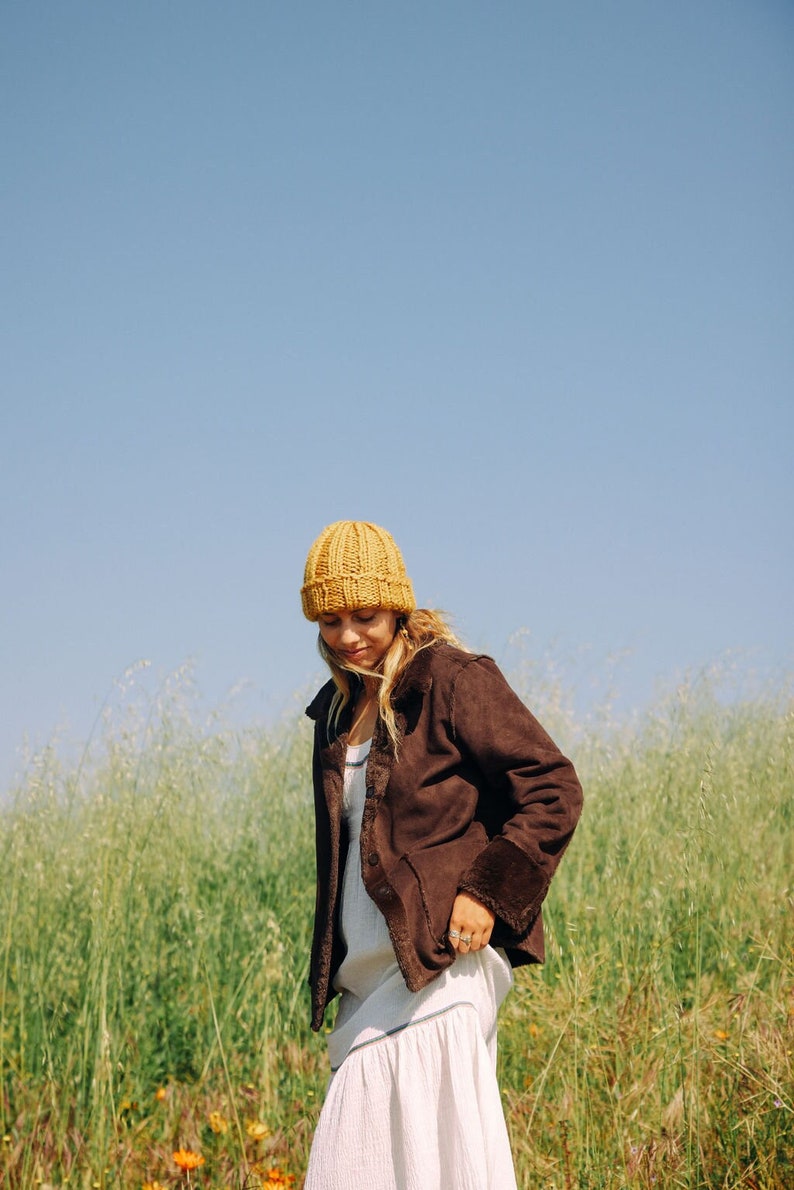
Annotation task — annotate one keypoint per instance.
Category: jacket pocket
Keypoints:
(436, 871)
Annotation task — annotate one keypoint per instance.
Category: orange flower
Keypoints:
(160, 1094)
(276, 1179)
(721, 1035)
(187, 1160)
(152, 1186)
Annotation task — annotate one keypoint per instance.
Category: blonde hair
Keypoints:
(416, 630)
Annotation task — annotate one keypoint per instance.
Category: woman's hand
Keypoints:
(470, 924)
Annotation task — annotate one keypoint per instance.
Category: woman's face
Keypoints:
(359, 637)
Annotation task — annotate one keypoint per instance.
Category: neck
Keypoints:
(365, 713)
(368, 689)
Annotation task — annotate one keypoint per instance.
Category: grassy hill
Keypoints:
(155, 909)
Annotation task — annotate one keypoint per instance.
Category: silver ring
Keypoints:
(454, 933)
(466, 938)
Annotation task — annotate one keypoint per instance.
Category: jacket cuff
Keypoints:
(505, 879)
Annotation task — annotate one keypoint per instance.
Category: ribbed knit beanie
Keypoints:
(355, 564)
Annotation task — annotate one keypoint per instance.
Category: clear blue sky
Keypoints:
(515, 280)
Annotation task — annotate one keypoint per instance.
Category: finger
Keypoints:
(479, 938)
(461, 939)
(468, 938)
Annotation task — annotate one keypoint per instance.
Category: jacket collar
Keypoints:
(321, 703)
(416, 679)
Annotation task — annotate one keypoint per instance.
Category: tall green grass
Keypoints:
(155, 909)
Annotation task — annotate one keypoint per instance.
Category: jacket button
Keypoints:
(384, 892)
(373, 859)
(370, 791)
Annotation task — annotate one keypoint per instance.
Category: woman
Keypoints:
(442, 810)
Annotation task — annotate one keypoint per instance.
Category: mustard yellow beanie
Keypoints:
(355, 564)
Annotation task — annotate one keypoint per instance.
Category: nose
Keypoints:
(348, 636)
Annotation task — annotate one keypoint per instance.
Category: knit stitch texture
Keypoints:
(355, 564)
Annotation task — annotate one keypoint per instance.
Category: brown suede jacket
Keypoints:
(479, 800)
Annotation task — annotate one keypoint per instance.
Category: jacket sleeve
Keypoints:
(525, 770)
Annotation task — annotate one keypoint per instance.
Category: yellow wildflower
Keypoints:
(218, 1123)
(160, 1094)
(256, 1129)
